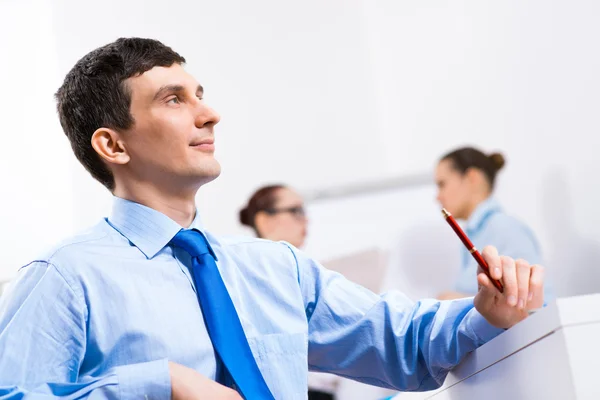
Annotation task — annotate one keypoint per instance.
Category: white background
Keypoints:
(321, 93)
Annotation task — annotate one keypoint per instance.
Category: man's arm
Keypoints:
(43, 341)
(388, 340)
(42, 344)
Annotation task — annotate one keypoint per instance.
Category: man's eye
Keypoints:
(173, 100)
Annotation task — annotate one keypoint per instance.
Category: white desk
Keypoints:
(553, 354)
(3, 286)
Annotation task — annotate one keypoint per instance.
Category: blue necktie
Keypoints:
(222, 322)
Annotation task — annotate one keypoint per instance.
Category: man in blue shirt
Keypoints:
(148, 304)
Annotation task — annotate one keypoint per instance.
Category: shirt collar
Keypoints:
(483, 210)
(147, 229)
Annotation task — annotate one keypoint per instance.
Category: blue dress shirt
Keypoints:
(101, 315)
(489, 225)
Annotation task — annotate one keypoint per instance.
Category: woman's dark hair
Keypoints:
(263, 199)
(468, 157)
(94, 94)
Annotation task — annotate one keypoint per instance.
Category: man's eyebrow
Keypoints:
(174, 89)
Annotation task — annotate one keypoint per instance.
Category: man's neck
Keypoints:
(180, 206)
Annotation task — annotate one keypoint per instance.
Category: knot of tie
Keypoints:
(192, 241)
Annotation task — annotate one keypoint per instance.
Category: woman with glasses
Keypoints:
(277, 213)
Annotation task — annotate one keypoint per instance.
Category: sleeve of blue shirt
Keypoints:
(42, 344)
(386, 340)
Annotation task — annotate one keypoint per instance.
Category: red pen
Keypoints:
(469, 245)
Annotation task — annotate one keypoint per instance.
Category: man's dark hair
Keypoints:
(94, 94)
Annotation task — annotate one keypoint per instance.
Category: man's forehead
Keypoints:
(152, 80)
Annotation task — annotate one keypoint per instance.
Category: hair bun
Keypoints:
(244, 217)
(498, 160)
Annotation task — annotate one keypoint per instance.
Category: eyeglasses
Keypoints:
(297, 211)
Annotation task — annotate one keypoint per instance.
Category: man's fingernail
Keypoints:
(530, 296)
(497, 271)
(512, 301)
(521, 304)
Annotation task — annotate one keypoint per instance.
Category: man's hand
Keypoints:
(523, 289)
(187, 384)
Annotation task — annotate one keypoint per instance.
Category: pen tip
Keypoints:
(445, 213)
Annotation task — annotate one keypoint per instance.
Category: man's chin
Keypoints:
(207, 175)
(210, 178)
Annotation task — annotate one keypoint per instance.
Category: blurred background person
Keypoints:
(276, 212)
(465, 179)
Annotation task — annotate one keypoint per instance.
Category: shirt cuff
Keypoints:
(149, 381)
(483, 330)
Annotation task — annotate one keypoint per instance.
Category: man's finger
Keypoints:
(523, 275)
(491, 257)
(485, 283)
(536, 287)
(487, 292)
(509, 278)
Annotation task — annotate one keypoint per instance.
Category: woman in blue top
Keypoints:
(465, 178)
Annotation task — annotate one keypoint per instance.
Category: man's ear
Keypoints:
(109, 146)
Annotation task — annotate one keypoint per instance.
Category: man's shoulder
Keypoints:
(254, 248)
(80, 243)
(232, 242)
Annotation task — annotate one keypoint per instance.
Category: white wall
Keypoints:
(284, 77)
(36, 190)
(512, 75)
(424, 253)
(317, 93)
